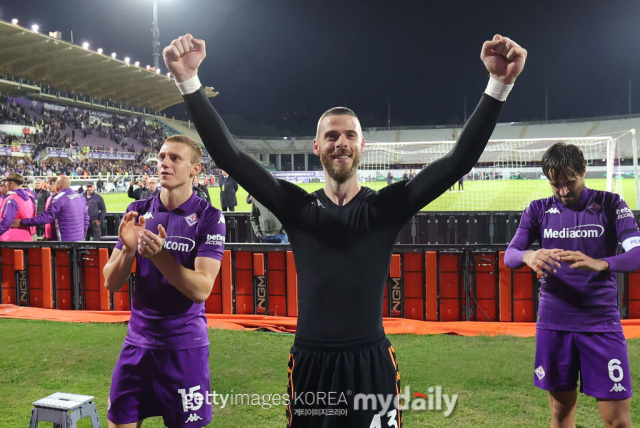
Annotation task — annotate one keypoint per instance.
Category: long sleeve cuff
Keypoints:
(497, 90)
(513, 258)
(625, 262)
(189, 86)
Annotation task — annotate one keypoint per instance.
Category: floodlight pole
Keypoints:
(629, 96)
(155, 31)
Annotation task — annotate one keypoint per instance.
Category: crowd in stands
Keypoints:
(70, 127)
(112, 170)
(77, 129)
(78, 168)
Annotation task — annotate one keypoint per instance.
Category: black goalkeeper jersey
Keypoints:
(342, 253)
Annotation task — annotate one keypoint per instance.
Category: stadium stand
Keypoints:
(63, 139)
(57, 125)
(554, 129)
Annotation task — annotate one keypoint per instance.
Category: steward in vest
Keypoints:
(18, 204)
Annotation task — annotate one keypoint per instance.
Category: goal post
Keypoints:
(508, 175)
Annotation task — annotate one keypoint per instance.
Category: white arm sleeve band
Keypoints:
(631, 242)
(189, 86)
(498, 90)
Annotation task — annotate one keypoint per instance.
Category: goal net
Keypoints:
(508, 175)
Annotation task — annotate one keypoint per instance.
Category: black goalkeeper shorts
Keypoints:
(350, 383)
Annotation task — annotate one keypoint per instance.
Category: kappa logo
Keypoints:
(221, 221)
(553, 210)
(539, 371)
(319, 204)
(216, 239)
(617, 388)
(193, 418)
(148, 215)
(191, 219)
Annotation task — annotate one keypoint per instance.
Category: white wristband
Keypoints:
(498, 90)
(189, 86)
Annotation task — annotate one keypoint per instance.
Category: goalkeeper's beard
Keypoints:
(340, 172)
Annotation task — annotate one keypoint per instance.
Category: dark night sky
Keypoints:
(293, 59)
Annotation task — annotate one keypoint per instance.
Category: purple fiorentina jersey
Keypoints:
(574, 299)
(161, 316)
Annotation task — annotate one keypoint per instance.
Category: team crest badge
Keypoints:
(593, 208)
(191, 219)
(539, 372)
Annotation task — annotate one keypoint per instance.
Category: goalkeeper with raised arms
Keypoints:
(342, 238)
(578, 327)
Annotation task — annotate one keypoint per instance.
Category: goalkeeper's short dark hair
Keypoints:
(563, 157)
(337, 111)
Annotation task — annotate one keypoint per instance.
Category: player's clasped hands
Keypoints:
(128, 230)
(134, 236)
(578, 260)
(543, 261)
(150, 244)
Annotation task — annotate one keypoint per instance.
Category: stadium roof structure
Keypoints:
(68, 67)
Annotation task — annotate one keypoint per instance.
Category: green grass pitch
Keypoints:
(496, 195)
(493, 376)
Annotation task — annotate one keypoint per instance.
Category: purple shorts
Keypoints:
(599, 359)
(154, 382)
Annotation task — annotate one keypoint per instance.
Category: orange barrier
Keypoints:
(517, 300)
(288, 324)
(8, 276)
(292, 286)
(461, 284)
(121, 299)
(633, 297)
(63, 279)
(92, 285)
(450, 291)
(431, 284)
(226, 293)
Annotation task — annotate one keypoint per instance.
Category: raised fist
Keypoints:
(503, 58)
(183, 57)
